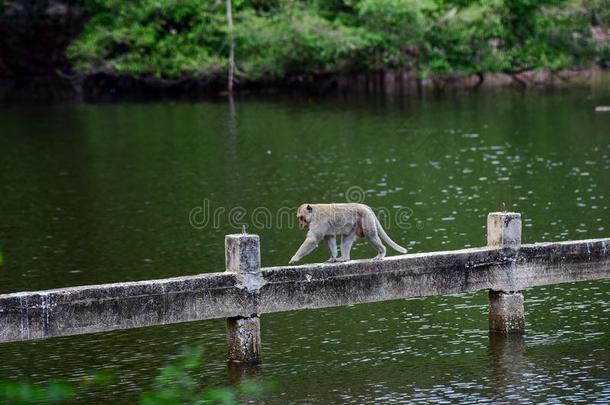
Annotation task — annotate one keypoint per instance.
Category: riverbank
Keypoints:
(105, 87)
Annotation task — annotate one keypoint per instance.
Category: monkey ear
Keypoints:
(309, 208)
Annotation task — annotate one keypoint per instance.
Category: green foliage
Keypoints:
(550, 34)
(177, 383)
(302, 38)
(55, 392)
(24, 393)
(295, 41)
(397, 28)
(160, 38)
(462, 40)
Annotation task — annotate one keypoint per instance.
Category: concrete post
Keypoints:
(504, 229)
(506, 312)
(242, 255)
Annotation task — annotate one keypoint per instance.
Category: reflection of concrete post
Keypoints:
(243, 372)
(242, 255)
(506, 313)
(508, 363)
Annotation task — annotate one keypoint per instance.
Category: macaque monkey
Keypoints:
(326, 221)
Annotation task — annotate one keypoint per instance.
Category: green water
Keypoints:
(106, 193)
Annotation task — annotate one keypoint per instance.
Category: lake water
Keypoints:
(117, 192)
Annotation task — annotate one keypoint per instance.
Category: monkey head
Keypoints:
(305, 215)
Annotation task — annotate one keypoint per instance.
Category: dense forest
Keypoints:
(301, 39)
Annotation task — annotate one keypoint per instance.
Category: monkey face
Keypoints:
(302, 223)
(305, 215)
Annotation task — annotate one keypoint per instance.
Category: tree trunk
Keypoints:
(481, 77)
(231, 47)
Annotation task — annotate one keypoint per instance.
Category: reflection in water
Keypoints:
(509, 363)
(242, 372)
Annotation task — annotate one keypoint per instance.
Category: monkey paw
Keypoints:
(331, 260)
(377, 258)
(293, 260)
(343, 259)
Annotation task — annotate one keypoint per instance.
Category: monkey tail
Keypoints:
(387, 239)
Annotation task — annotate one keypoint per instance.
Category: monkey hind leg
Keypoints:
(369, 227)
(376, 242)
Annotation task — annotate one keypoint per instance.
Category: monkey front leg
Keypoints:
(331, 241)
(310, 243)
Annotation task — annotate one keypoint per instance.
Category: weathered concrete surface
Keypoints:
(561, 262)
(504, 229)
(68, 311)
(506, 312)
(244, 339)
(75, 310)
(242, 253)
(243, 256)
(395, 277)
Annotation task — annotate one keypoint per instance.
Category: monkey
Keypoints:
(326, 221)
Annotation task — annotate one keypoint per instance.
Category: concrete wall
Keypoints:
(87, 309)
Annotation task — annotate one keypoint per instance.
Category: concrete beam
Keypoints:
(87, 309)
(96, 308)
(541, 264)
(396, 277)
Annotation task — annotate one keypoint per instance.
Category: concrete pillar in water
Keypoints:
(242, 255)
(506, 312)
